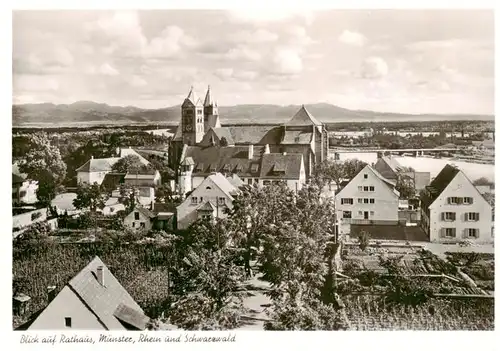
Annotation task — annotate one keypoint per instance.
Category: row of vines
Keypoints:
(368, 312)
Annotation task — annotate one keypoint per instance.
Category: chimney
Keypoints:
(91, 157)
(51, 293)
(266, 149)
(250, 152)
(100, 275)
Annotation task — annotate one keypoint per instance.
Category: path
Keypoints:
(257, 303)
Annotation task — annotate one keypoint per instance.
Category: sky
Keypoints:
(407, 61)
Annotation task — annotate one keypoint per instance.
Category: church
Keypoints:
(258, 154)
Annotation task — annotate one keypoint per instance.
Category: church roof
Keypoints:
(256, 135)
(208, 98)
(303, 118)
(192, 97)
(297, 137)
(281, 166)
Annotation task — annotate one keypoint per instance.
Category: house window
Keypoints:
(206, 217)
(136, 216)
(372, 188)
(346, 214)
(360, 200)
(143, 225)
(360, 213)
(67, 322)
(455, 200)
(111, 209)
(221, 201)
(201, 199)
(365, 176)
(472, 216)
(199, 111)
(450, 232)
(365, 201)
(472, 232)
(194, 200)
(133, 224)
(267, 182)
(208, 188)
(468, 201)
(372, 213)
(360, 188)
(365, 188)
(372, 201)
(346, 201)
(448, 216)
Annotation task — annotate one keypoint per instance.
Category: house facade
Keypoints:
(92, 300)
(253, 165)
(95, 169)
(454, 210)
(209, 200)
(368, 198)
(139, 218)
(23, 190)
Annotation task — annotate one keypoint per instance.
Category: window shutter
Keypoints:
(465, 233)
(442, 232)
(478, 216)
(449, 200)
(442, 216)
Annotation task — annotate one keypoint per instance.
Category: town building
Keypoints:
(200, 132)
(368, 199)
(391, 169)
(209, 200)
(252, 164)
(140, 218)
(92, 300)
(95, 169)
(23, 189)
(454, 210)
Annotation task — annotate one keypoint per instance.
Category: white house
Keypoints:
(92, 300)
(139, 218)
(95, 169)
(23, 189)
(368, 198)
(144, 179)
(454, 210)
(208, 201)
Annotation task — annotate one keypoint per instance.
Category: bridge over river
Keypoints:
(335, 152)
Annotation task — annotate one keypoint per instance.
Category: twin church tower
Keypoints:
(197, 117)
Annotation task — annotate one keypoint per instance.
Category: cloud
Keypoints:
(297, 35)
(227, 74)
(243, 53)
(352, 38)
(108, 70)
(170, 43)
(270, 14)
(252, 37)
(137, 82)
(224, 73)
(374, 68)
(287, 62)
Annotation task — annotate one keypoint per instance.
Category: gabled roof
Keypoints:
(208, 98)
(105, 300)
(303, 118)
(442, 180)
(129, 151)
(188, 161)
(206, 206)
(288, 166)
(192, 98)
(297, 137)
(112, 180)
(98, 165)
(225, 185)
(392, 163)
(256, 135)
(145, 211)
(224, 132)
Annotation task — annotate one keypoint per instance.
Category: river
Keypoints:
(426, 164)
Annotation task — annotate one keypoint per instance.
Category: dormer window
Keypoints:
(239, 168)
(213, 167)
(199, 167)
(227, 167)
(255, 168)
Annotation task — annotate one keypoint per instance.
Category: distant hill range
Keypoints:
(88, 113)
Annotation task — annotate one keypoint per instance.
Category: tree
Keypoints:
(89, 196)
(164, 194)
(405, 185)
(206, 279)
(364, 240)
(43, 162)
(129, 163)
(330, 171)
(352, 167)
(128, 197)
(482, 181)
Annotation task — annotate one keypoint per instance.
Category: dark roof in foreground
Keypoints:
(437, 186)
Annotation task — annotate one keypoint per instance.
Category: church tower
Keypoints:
(211, 112)
(192, 119)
